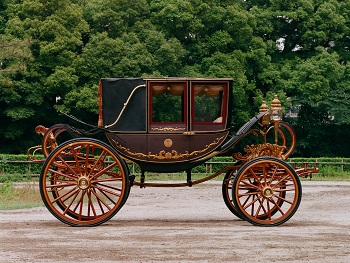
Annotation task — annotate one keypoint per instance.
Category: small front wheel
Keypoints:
(266, 191)
(84, 182)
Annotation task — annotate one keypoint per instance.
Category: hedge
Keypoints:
(19, 164)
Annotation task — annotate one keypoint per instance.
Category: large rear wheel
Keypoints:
(266, 191)
(84, 182)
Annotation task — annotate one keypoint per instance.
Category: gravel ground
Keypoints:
(185, 225)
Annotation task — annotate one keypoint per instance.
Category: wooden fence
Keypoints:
(209, 167)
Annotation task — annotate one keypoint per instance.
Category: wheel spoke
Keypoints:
(61, 174)
(247, 199)
(264, 173)
(274, 172)
(100, 204)
(87, 157)
(261, 206)
(66, 164)
(247, 185)
(81, 202)
(109, 186)
(252, 172)
(268, 209)
(103, 171)
(114, 179)
(277, 206)
(61, 185)
(104, 190)
(284, 200)
(77, 161)
(102, 201)
(284, 190)
(252, 202)
(100, 159)
(91, 205)
(282, 180)
(67, 195)
(71, 202)
(249, 194)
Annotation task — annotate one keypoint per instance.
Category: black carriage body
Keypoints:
(166, 124)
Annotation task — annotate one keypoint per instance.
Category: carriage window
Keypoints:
(208, 103)
(168, 102)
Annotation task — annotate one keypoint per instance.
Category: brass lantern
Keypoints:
(276, 115)
(266, 118)
(276, 110)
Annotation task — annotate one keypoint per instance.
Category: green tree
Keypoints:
(298, 49)
(55, 30)
(114, 17)
(142, 52)
(14, 55)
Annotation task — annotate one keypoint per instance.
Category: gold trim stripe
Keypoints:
(162, 155)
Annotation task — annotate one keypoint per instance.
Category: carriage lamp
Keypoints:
(266, 118)
(276, 110)
(276, 115)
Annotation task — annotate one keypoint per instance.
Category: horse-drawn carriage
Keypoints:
(169, 125)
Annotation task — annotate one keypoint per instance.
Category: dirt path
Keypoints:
(185, 225)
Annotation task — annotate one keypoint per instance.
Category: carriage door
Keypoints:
(208, 113)
(209, 105)
(168, 120)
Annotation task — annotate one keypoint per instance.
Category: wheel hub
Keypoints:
(83, 183)
(267, 192)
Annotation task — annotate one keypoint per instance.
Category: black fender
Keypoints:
(241, 132)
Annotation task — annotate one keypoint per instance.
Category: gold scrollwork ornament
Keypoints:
(265, 149)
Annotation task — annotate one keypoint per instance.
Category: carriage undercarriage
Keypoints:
(85, 181)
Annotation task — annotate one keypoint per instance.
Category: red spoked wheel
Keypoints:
(266, 191)
(84, 182)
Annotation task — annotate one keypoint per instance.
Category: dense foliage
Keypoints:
(53, 53)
